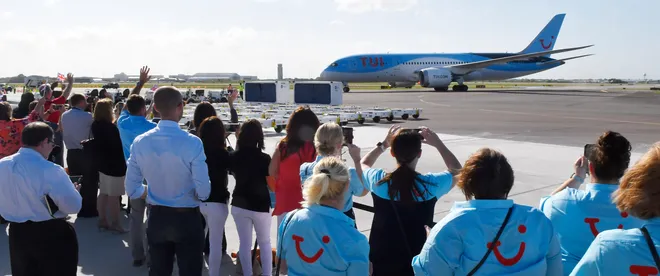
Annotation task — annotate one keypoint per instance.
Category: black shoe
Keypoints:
(138, 263)
(88, 215)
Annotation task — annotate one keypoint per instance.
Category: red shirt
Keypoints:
(288, 190)
(55, 116)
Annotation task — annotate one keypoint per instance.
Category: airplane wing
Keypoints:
(468, 67)
(565, 59)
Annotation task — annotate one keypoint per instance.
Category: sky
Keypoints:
(101, 38)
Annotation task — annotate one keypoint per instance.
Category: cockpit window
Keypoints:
(334, 64)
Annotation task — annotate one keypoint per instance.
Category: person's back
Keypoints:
(320, 239)
(633, 251)
(165, 154)
(132, 122)
(76, 124)
(579, 215)
(526, 246)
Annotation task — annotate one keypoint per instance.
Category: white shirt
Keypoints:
(173, 163)
(27, 177)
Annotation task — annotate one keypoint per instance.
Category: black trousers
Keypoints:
(80, 164)
(175, 231)
(43, 248)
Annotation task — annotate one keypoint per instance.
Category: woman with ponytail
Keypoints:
(404, 199)
(328, 141)
(579, 215)
(319, 239)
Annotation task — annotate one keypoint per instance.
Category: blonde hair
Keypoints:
(327, 137)
(328, 181)
(639, 191)
(103, 111)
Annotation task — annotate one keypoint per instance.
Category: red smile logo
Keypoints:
(302, 255)
(592, 223)
(643, 270)
(510, 261)
(549, 45)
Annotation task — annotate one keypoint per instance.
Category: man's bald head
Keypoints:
(166, 101)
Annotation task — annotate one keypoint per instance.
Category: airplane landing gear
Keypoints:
(347, 89)
(460, 88)
(441, 89)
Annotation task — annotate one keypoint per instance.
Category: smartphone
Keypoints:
(52, 207)
(76, 179)
(588, 150)
(348, 135)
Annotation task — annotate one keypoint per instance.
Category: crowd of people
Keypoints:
(179, 178)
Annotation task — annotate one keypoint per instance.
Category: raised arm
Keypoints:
(232, 110)
(144, 78)
(581, 166)
(432, 139)
(371, 157)
(69, 86)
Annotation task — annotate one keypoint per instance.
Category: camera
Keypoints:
(348, 135)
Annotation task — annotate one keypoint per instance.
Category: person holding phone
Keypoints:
(579, 215)
(41, 241)
(404, 199)
(329, 140)
(521, 239)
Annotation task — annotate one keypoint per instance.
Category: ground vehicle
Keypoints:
(111, 85)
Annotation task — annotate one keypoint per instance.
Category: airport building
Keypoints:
(211, 77)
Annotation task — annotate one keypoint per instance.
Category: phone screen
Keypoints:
(348, 135)
(75, 178)
(588, 150)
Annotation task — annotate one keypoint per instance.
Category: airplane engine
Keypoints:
(435, 77)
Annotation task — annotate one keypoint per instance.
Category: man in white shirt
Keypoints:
(35, 197)
(174, 164)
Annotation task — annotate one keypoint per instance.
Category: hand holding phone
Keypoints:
(348, 135)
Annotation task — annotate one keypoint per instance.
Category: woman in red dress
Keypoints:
(294, 149)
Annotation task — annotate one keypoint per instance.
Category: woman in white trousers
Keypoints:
(251, 198)
(212, 133)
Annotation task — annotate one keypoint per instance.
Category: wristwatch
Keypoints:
(381, 146)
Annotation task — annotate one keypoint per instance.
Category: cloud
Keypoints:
(6, 15)
(51, 2)
(362, 6)
(337, 22)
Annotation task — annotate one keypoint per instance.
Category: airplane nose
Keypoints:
(324, 75)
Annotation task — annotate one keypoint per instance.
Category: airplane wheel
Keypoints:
(360, 121)
(344, 123)
(278, 129)
(376, 119)
(347, 89)
(440, 89)
(464, 88)
(404, 116)
(415, 116)
(390, 118)
(455, 88)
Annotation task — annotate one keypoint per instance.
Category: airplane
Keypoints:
(439, 70)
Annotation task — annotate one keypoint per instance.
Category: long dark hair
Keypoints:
(23, 108)
(402, 182)
(202, 111)
(251, 136)
(292, 142)
(212, 133)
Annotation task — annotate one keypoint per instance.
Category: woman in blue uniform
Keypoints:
(579, 215)
(319, 239)
(328, 141)
(630, 252)
(521, 239)
(404, 199)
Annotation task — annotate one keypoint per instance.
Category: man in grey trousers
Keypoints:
(132, 123)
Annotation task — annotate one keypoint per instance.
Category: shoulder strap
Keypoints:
(649, 241)
(279, 259)
(403, 231)
(493, 243)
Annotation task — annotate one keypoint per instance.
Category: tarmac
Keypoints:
(541, 132)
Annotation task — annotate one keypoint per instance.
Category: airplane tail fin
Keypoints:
(546, 39)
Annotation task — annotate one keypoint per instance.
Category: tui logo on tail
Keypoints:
(549, 45)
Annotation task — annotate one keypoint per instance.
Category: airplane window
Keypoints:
(333, 64)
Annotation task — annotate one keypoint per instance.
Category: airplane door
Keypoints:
(352, 65)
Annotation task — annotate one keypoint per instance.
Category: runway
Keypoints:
(560, 117)
(540, 132)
